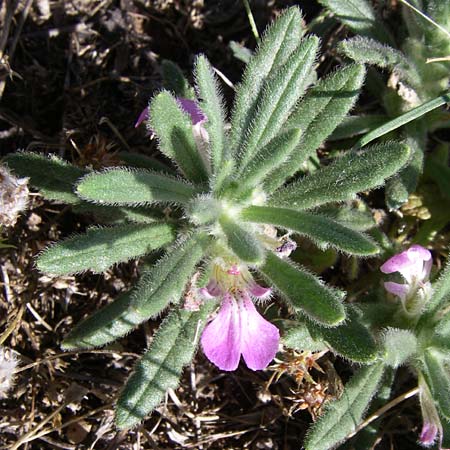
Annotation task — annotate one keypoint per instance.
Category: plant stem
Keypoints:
(251, 21)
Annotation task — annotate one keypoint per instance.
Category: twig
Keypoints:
(61, 355)
(225, 79)
(383, 409)
(251, 21)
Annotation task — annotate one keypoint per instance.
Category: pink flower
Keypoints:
(189, 106)
(432, 427)
(414, 265)
(238, 329)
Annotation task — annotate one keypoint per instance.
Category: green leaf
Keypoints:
(360, 17)
(101, 248)
(211, 103)
(106, 325)
(441, 290)
(441, 175)
(240, 52)
(280, 94)
(161, 366)
(242, 241)
(342, 416)
(53, 177)
(320, 229)
(351, 339)
(409, 116)
(176, 139)
(342, 179)
(299, 338)
(357, 217)
(405, 182)
(133, 187)
(303, 291)
(267, 159)
(174, 80)
(317, 115)
(166, 281)
(400, 346)
(353, 126)
(437, 373)
(159, 285)
(277, 44)
(370, 51)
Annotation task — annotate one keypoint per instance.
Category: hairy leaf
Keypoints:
(133, 187)
(437, 373)
(317, 115)
(360, 17)
(303, 291)
(351, 339)
(242, 241)
(267, 159)
(353, 126)
(281, 92)
(159, 285)
(370, 51)
(322, 230)
(175, 81)
(176, 139)
(211, 103)
(53, 177)
(342, 416)
(161, 366)
(342, 179)
(101, 248)
(277, 44)
(357, 218)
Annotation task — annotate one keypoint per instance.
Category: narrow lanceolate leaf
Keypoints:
(342, 416)
(303, 291)
(360, 17)
(175, 81)
(133, 187)
(161, 366)
(53, 177)
(317, 115)
(277, 44)
(159, 285)
(357, 218)
(101, 248)
(437, 373)
(441, 289)
(211, 103)
(267, 159)
(342, 179)
(322, 230)
(106, 325)
(140, 161)
(369, 51)
(351, 339)
(405, 182)
(166, 281)
(176, 139)
(281, 92)
(242, 241)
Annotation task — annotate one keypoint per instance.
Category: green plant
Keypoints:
(231, 198)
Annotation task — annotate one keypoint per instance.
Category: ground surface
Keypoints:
(81, 73)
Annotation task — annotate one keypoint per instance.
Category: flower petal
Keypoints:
(259, 337)
(397, 263)
(401, 290)
(259, 291)
(419, 252)
(192, 108)
(428, 434)
(221, 339)
(142, 117)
